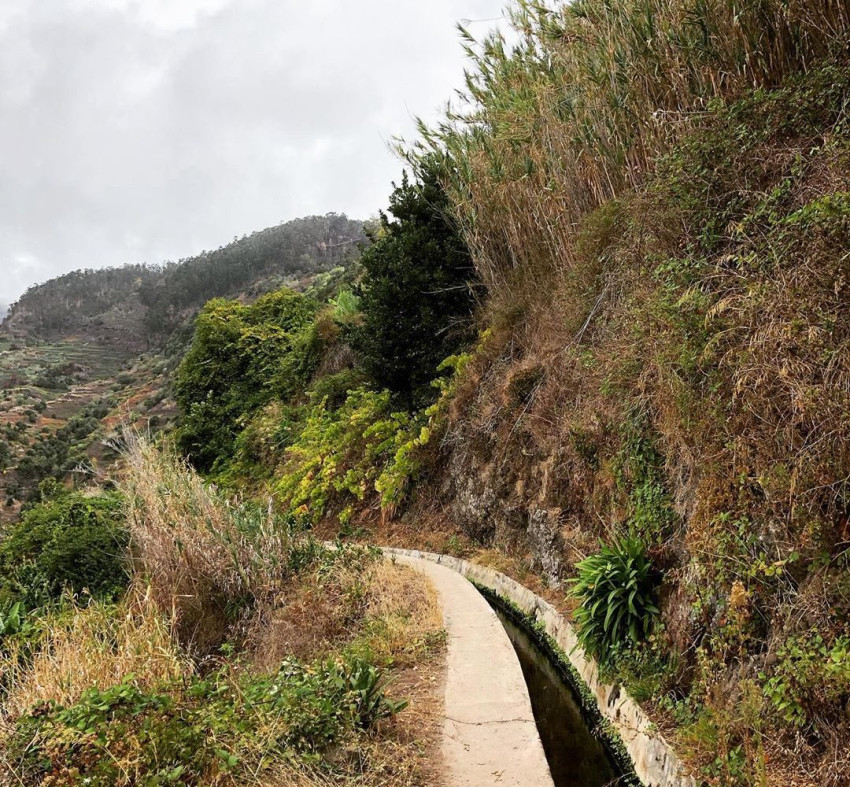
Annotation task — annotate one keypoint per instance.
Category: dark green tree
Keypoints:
(416, 294)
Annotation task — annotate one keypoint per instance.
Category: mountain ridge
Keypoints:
(137, 306)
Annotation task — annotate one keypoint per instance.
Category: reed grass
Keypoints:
(574, 113)
(203, 554)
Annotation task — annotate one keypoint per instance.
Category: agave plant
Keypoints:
(616, 590)
(366, 685)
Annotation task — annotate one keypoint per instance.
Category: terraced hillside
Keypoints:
(61, 404)
(88, 353)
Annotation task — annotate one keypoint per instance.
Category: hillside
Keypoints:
(600, 340)
(84, 353)
(136, 307)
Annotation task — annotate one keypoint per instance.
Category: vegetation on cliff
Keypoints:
(655, 196)
(647, 401)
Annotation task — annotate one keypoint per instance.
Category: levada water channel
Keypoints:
(576, 756)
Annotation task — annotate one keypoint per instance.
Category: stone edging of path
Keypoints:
(655, 762)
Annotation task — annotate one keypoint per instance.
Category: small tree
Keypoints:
(416, 296)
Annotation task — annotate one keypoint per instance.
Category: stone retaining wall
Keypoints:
(655, 762)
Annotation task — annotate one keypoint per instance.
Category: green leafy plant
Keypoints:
(74, 542)
(366, 685)
(12, 619)
(349, 453)
(616, 589)
(809, 679)
(241, 358)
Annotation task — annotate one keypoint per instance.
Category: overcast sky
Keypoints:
(143, 130)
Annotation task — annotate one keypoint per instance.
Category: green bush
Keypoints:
(639, 471)
(810, 679)
(73, 542)
(616, 589)
(192, 732)
(242, 358)
(359, 449)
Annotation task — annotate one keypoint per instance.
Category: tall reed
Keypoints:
(203, 555)
(575, 111)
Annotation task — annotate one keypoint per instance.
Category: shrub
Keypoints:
(242, 357)
(615, 588)
(201, 730)
(810, 678)
(73, 542)
(361, 448)
(639, 471)
(261, 444)
(208, 558)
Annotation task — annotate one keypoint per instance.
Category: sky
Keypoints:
(146, 130)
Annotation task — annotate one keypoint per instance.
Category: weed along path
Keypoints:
(490, 736)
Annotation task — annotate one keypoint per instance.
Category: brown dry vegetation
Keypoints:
(656, 197)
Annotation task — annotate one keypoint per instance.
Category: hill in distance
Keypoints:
(136, 307)
(85, 354)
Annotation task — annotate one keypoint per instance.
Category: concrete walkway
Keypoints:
(489, 735)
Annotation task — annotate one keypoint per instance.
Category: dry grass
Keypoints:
(314, 615)
(98, 645)
(395, 618)
(192, 548)
(389, 611)
(403, 615)
(398, 621)
(575, 112)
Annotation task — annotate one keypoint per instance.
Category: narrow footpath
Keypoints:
(489, 735)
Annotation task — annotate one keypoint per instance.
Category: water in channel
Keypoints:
(576, 758)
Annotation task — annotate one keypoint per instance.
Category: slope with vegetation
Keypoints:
(170, 633)
(227, 647)
(70, 362)
(656, 199)
(601, 340)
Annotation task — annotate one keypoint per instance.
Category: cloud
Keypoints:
(143, 130)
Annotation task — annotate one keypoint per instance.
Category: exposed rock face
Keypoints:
(544, 538)
(474, 499)
(491, 502)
